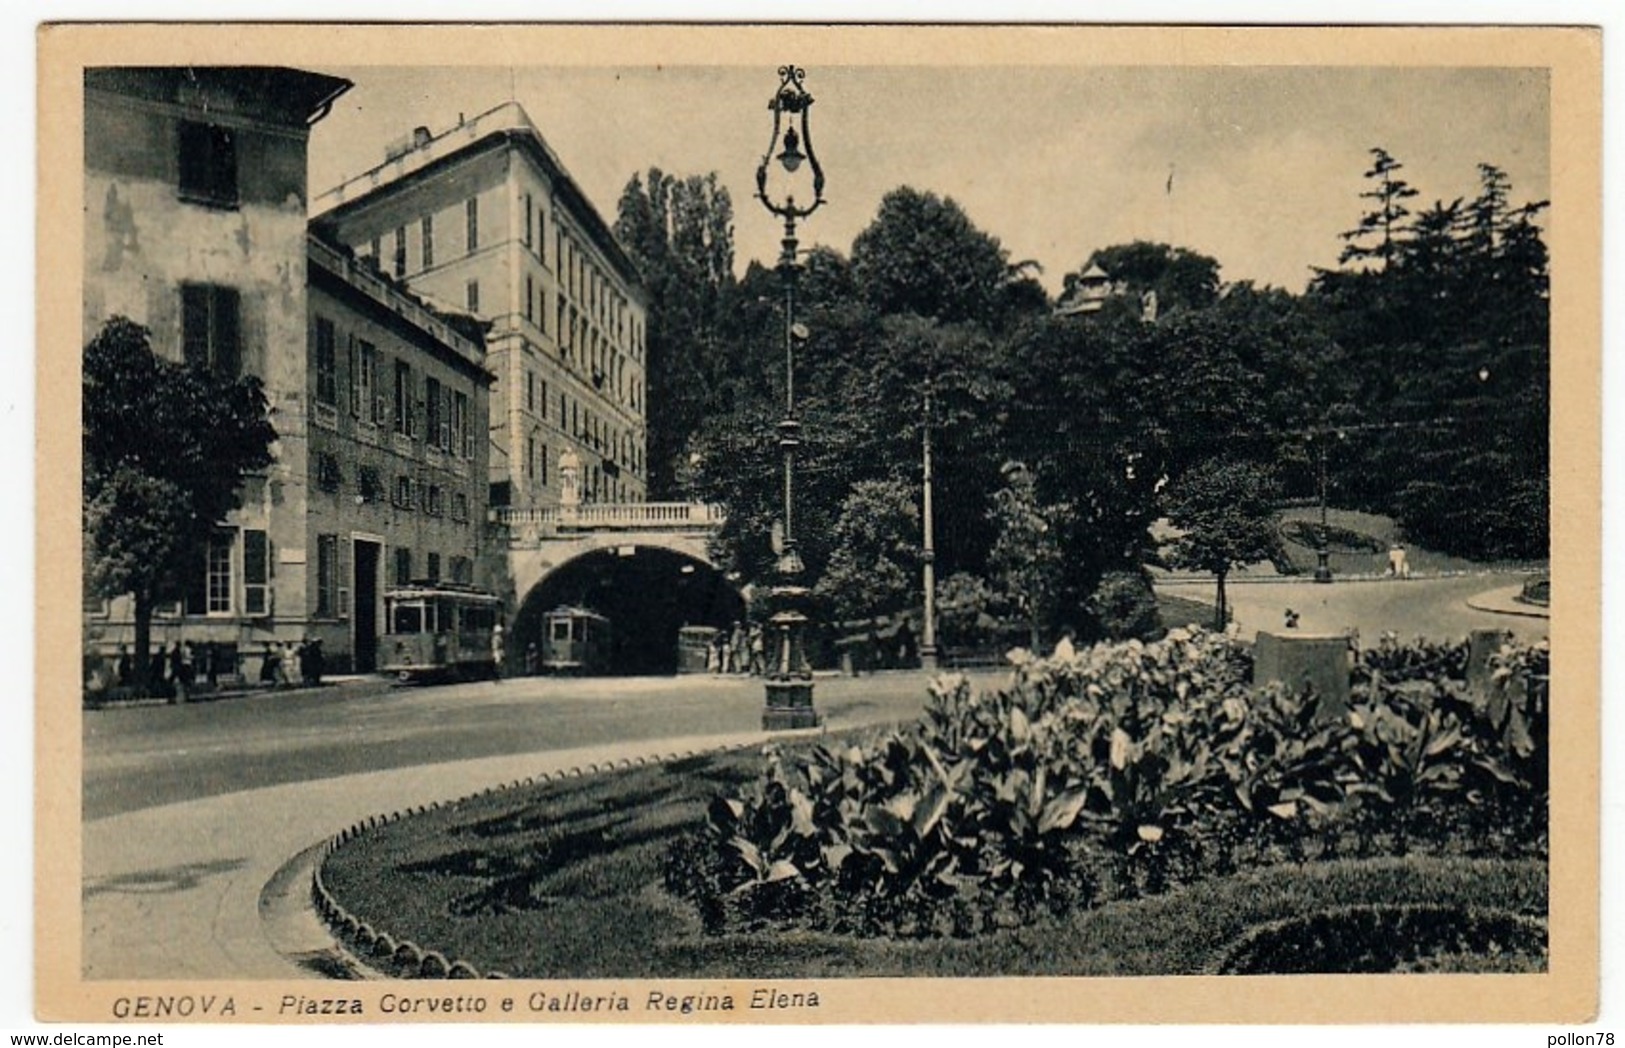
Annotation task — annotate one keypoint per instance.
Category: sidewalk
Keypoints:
(175, 892)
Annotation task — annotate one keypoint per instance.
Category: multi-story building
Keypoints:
(196, 227)
(485, 218)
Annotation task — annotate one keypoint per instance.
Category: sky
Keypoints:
(1259, 167)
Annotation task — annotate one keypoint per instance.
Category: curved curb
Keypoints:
(1501, 602)
(375, 950)
(1235, 956)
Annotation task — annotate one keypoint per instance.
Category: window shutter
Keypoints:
(227, 349)
(195, 324)
(344, 576)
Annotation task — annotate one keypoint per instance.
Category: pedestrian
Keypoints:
(177, 674)
(713, 653)
(727, 660)
(1398, 566)
(124, 668)
(530, 659)
(741, 648)
(211, 665)
(496, 653)
(304, 661)
(316, 662)
(758, 650)
(285, 665)
(268, 665)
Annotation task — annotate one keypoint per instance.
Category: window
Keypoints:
(219, 573)
(463, 438)
(369, 484)
(543, 456)
(529, 224)
(403, 491)
(541, 234)
(377, 256)
(462, 569)
(400, 252)
(530, 298)
(352, 361)
(433, 569)
(403, 398)
(473, 294)
(327, 363)
(544, 398)
(328, 476)
(209, 328)
(530, 391)
(372, 383)
(473, 223)
(435, 505)
(428, 241)
(530, 456)
(403, 566)
(327, 576)
(459, 511)
(434, 422)
(558, 323)
(210, 591)
(208, 164)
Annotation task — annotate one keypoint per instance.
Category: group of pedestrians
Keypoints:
(282, 661)
(738, 651)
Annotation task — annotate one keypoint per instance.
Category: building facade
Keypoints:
(484, 218)
(196, 227)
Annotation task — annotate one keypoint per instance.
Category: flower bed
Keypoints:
(1118, 772)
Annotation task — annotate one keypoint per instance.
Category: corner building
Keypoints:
(196, 227)
(484, 218)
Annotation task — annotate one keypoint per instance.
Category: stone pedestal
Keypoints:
(1481, 644)
(789, 688)
(1313, 660)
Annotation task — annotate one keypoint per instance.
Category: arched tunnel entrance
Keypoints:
(646, 592)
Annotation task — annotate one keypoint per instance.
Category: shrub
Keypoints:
(1125, 606)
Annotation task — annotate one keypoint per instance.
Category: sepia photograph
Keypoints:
(547, 518)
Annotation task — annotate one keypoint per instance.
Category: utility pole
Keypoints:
(928, 555)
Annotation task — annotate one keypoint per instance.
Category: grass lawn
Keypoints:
(563, 880)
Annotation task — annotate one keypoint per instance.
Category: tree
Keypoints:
(1388, 194)
(1226, 512)
(1028, 557)
(166, 448)
(679, 231)
(923, 255)
(874, 567)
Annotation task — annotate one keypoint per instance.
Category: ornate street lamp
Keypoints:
(789, 675)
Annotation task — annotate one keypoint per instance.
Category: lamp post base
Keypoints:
(928, 658)
(789, 706)
(789, 685)
(1323, 566)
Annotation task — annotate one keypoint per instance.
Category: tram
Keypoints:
(575, 641)
(438, 630)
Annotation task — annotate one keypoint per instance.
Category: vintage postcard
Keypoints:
(1104, 530)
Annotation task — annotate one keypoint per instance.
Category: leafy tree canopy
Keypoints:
(923, 255)
(166, 448)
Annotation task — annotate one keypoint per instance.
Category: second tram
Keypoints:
(438, 630)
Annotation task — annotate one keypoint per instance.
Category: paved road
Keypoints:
(1435, 608)
(144, 756)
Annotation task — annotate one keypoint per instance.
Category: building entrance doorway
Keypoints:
(364, 610)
